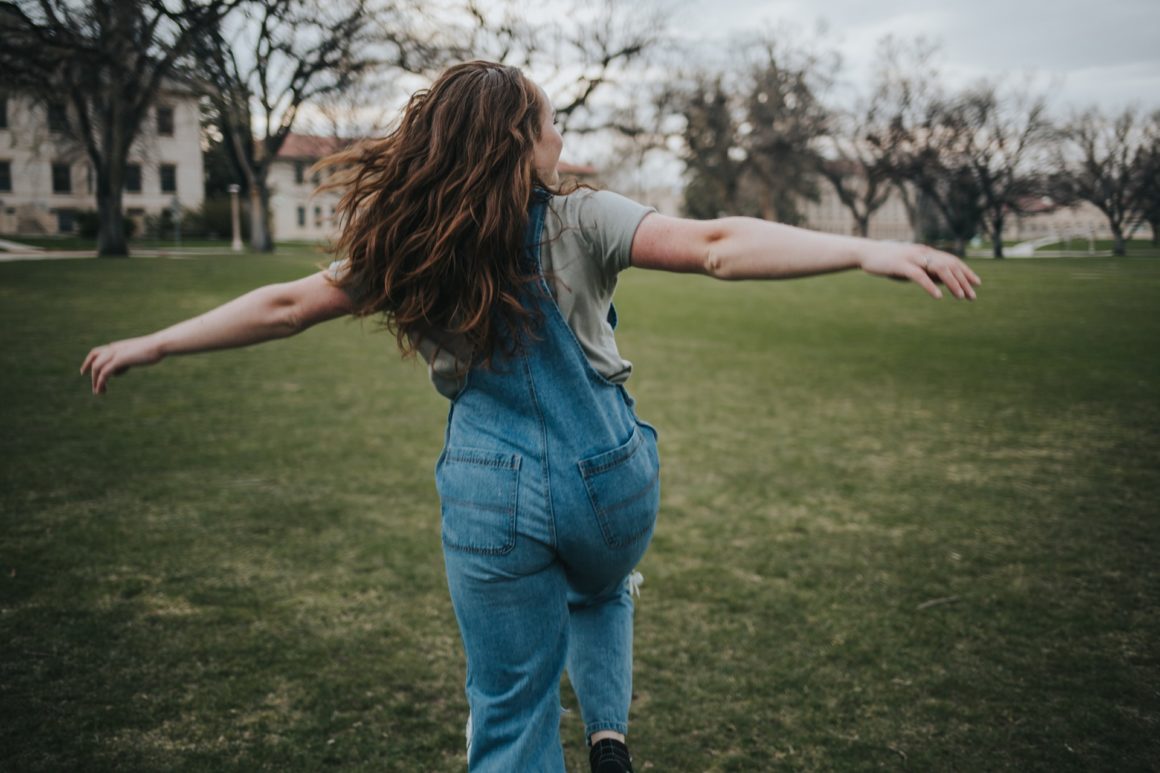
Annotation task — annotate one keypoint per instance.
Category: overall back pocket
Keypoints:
(624, 488)
(477, 500)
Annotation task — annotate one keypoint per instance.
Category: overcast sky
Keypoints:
(1102, 52)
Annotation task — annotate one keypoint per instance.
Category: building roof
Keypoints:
(1033, 205)
(311, 146)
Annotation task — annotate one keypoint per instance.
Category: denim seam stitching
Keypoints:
(628, 451)
(644, 490)
(538, 228)
(457, 456)
(605, 724)
(480, 506)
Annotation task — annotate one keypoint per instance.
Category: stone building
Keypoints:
(297, 213)
(46, 179)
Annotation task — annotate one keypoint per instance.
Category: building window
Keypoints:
(6, 176)
(299, 172)
(57, 117)
(61, 178)
(169, 178)
(165, 121)
(318, 217)
(302, 217)
(66, 221)
(3, 111)
(132, 178)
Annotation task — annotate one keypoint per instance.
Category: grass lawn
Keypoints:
(895, 533)
(1135, 248)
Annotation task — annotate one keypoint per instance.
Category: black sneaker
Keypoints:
(609, 755)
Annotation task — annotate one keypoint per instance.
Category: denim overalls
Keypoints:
(549, 489)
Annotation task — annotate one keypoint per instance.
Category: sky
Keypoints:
(1082, 52)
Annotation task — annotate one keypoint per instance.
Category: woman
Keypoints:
(454, 230)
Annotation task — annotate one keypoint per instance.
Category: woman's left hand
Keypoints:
(924, 266)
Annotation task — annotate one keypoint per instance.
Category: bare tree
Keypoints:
(1146, 182)
(932, 156)
(107, 61)
(1003, 135)
(859, 170)
(713, 155)
(925, 144)
(751, 131)
(1094, 161)
(365, 108)
(262, 66)
(784, 122)
(592, 54)
(906, 89)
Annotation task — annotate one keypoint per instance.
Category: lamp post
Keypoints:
(235, 218)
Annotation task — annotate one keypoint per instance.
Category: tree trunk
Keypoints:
(1155, 224)
(911, 207)
(260, 240)
(997, 236)
(862, 225)
(1119, 246)
(111, 241)
(960, 246)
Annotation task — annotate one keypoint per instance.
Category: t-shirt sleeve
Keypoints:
(608, 222)
(336, 271)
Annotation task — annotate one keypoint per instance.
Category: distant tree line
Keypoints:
(759, 136)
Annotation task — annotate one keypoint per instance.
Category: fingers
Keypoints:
(921, 278)
(98, 364)
(99, 377)
(954, 282)
(954, 273)
(102, 375)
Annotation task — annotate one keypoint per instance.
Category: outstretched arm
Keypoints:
(273, 311)
(747, 248)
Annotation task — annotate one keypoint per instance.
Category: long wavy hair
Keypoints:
(432, 221)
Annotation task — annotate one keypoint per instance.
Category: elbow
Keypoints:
(292, 322)
(286, 317)
(714, 264)
(717, 262)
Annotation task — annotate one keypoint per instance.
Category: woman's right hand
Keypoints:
(115, 358)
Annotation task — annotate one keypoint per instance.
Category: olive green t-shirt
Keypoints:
(586, 243)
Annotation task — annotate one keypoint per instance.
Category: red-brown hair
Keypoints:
(433, 218)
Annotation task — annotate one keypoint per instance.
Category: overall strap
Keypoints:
(536, 212)
(533, 238)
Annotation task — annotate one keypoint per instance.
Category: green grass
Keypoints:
(1135, 248)
(895, 533)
